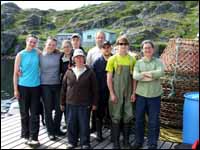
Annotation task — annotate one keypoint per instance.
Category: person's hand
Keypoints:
(62, 107)
(133, 98)
(16, 94)
(19, 73)
(94, 107)
(113, 98)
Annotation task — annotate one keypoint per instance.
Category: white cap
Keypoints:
(78, 52)
(76, 35)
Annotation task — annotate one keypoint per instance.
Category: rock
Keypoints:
(9, 8)
(34, 21)
(50, 26)
(147, 12)
(123, 21)
(163, 23)
(35, 32)
(7, 40)
(7, 20)
(139, 36)
(103, 22)
(170, 7)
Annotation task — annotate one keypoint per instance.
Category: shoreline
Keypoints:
(7, 56)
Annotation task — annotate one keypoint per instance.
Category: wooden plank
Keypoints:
(13, 142)
(174, 144)
(160, 143)
(166, 145)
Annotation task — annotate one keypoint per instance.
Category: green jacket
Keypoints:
(149, 88)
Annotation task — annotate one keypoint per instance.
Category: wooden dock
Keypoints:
(11, 131)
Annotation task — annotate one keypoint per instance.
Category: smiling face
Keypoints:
(148, 50)
(122, 45)
(31, 43)
(79, 60)
(67, 48)
(100, 38)
(50, 45)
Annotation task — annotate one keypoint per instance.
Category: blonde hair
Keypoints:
(66, 42)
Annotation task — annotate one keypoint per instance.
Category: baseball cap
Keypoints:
(106, 43)
(78, 52)
(76, 35)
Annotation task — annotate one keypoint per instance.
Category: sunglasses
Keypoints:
(125, 44)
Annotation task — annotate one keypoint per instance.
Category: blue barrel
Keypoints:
(191, 117)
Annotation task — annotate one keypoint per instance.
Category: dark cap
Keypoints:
(106, 43)
(76, 35)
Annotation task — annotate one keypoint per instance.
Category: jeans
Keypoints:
(78, 121)
(51, 100)
(152, 107)
(28, 104)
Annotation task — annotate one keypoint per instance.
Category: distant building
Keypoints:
(63, 36)
(88, 37)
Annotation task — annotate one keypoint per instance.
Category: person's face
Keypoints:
(31, 42)
(50, 45)
(148, 50)
(67, 48)
(122, 46)
(100, 38)
(79, 60)
(75, 42)
(106, 50)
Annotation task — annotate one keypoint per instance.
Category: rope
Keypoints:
(172, 92)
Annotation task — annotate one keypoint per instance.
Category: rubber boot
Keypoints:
(116, 134)
(126, 131)
(99, 130)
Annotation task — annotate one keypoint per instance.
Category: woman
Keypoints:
(79, 92)
(147, 72)
(50, 85)
(27, 90)
(122, 90)
(65, 62)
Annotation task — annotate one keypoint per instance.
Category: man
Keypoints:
(76, 42)
(93, 54)
(99, 69)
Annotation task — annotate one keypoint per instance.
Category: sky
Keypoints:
(57, 5)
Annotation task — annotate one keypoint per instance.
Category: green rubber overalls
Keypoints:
(122, 84)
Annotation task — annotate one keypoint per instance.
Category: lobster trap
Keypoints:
(181, 60)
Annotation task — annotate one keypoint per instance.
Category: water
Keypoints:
(7, 66)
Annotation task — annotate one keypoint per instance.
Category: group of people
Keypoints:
(115, 86)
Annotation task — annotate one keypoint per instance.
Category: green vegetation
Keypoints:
(70, 20)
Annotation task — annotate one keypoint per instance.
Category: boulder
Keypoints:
(123, 21)
(163, 23)
(50, 26)
(7, 41)
(34, 21)
(9, 8)
(7, 20)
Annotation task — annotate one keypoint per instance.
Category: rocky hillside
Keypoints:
(154, 20)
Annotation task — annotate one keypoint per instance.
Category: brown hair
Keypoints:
(122, 38)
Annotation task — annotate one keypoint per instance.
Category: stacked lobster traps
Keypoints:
(181, 60)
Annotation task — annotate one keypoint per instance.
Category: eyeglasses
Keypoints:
(125, 44)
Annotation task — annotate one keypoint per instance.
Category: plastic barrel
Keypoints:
(191, 117)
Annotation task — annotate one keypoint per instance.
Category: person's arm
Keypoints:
(133, 98)
(88, 58)
(63, 92)
(110, 87)
(16, 76)
(94, 91)
(159, 72)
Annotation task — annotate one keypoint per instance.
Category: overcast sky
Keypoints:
(57, 5)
